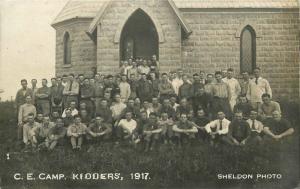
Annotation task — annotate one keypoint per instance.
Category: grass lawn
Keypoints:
(168, 167)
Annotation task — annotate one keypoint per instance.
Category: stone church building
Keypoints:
(195, 35)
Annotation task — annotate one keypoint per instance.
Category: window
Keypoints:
(248, 50)
(67, 48)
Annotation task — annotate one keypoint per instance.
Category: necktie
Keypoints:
(256, 81)
(221, 127)
(70, 88)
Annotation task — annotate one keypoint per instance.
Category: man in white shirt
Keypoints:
(72, 108)
(176, 81)
(256, 128)
(124, 88)
(234, 87)
(257, 87)
(117, 108)
(218, 129)
(125, 128)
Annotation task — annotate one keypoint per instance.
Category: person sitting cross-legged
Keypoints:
(56, 135)
(201, 120)
(184, 130)
(277, 127)
(152, 132)
(167, 131)
(256, 127)
(76, 131)
(218, 129)
(125, 128)
(239, 131)
(27, 136)
(98, 130)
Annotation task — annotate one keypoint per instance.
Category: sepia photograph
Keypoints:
(138, 94)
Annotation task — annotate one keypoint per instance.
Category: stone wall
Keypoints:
(215, 44)
(83, 50)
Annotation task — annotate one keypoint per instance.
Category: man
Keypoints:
(256, 128)
(166, 125)
(184, 130)
(144, 68)
(57, 95)
(151, 132)
(105, 112)
(209, 84)
(26, 129)
(147, 108)
(99, 130)
(76, 132)
(22, 94)
(133, 86)
(43, 98)
(277, 127)
(177, 81)
(54, 116)
(202, 100)
(218, 129)
(87, 94)
(196, 85)
(71, 91)
(166, 107)
(68, 119)
(126, 127)
(99, 91)
(85, 117)
(73, 109)
(155, 84)
(234, 87)
(243, 106)
(155, 62)
(202, 77)
(222, 96)
(165, 88)
(185, 90)
(24, 111)
(111, 86)
(144, 89)
(124, 89)
(257, 87)
(131, 108)
(245, 83)
(64, 80)
(40, 133)
(141, 122)
(56, 135)
(268, 106)
(201, 121)
(239, 131)
(173, 102)
(133, 71)
(117, 108)
(39, 118)
(34, 90)
(156, 106)
(184, 107)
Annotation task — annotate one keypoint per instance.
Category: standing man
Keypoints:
(257, 87)
(57, 96)
(71, 91)
(144, 89)
(124, 88)
(234, 87)
(185, 90)
(245, 83)
(87, 95)
(22, 94)
(222, 96)
(99, 91)
(43, 98)
(165, 88)
(209, 84)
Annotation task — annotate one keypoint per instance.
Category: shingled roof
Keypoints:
(89, 8)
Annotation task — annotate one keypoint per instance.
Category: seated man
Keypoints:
(56, 134)
(39, 118)
(278, 128)
(69, 119)
(243, 106)
(126, 127)
(184, 130)
(31, 124)
(85, 117)
(239, 130)
(104, 111)
(183, 108)
(166, 124)
(218, 129)
(256, 128)
(40, 133)
(99, 130)
(151, 132)
(268, 106)
(141, 122)
(54, 116)
(73, 109)
(201, 120)
(76, 131)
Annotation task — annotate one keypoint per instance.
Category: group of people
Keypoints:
(139, 105)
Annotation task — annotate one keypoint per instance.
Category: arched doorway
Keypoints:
(139, 37)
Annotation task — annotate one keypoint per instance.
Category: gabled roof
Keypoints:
(90, 8)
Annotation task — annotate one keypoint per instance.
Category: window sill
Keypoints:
(67, 66)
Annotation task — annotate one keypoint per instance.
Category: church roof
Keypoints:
(90, 8)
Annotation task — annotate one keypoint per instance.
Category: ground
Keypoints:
(168, 167)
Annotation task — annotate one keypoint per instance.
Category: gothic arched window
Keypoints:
(248, 50)
(67, 48)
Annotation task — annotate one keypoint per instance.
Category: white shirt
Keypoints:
(258, 126)
(124, 90)
(234, 86)
(176, 83)
(216, 124)
(74, 112)
(255, 91)
(128, 125)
